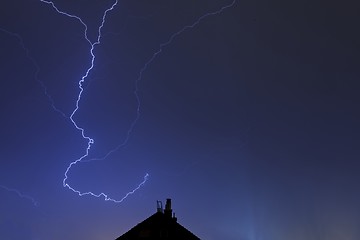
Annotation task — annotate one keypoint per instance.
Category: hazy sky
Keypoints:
(249, 118)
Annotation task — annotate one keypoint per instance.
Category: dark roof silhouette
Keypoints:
(162, 225)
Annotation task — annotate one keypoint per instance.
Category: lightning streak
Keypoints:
(174, 35)
(34, 202)
(90, 140)
(36, 66)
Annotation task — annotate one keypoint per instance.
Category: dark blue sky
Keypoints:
(249, 121)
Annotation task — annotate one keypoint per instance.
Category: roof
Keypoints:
(159, 226)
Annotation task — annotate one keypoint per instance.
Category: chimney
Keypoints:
(168, 210)
(159, 206)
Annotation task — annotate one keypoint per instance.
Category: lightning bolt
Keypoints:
(37, 69)
(21, 195)
(90, 141)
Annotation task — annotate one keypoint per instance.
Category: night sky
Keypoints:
(249, 118)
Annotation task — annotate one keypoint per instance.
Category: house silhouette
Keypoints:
(162, 225)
